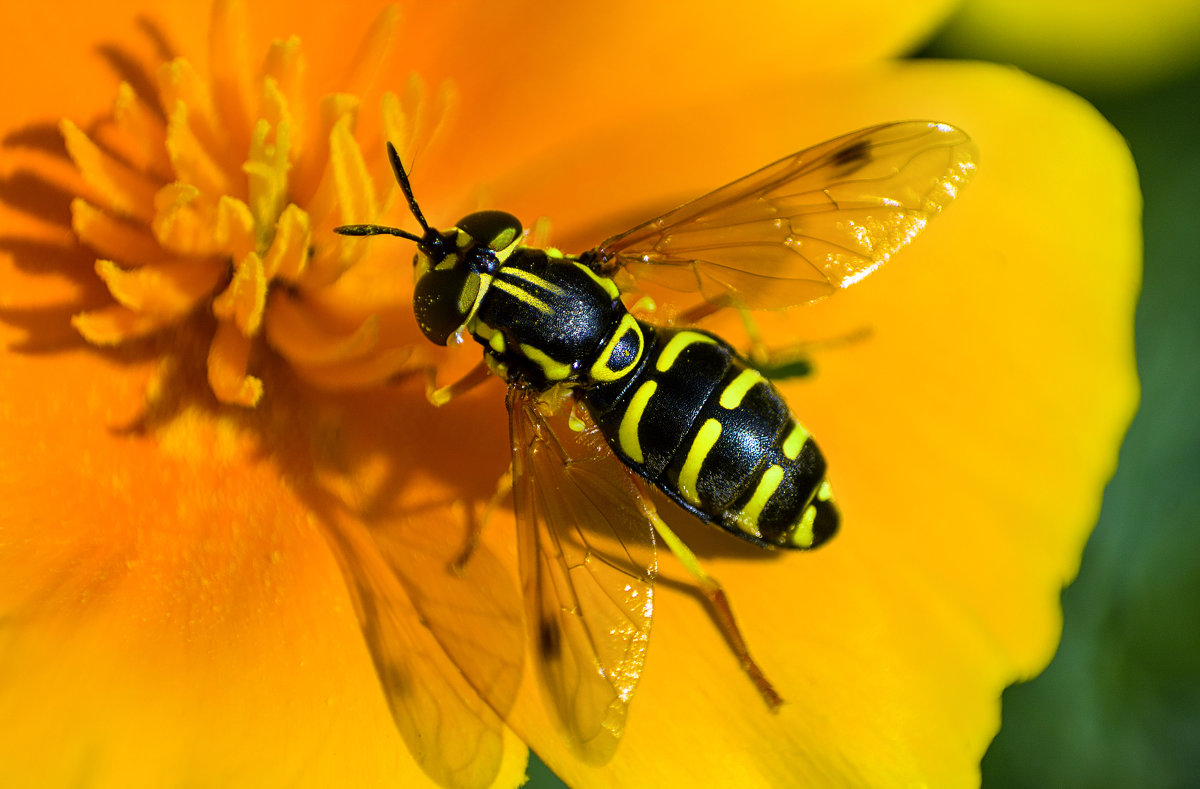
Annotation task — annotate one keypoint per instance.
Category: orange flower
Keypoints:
(212, 461)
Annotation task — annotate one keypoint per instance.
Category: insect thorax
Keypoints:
(547, 319)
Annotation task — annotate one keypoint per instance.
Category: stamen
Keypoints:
(115, 324)
(287, 256)
(112, 237)
(224, 186)
(190, 160)
(245, 299)
(123, 191)
(145, 130)
(228, 359)
(170, 290)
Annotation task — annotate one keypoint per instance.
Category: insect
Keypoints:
(665, 406)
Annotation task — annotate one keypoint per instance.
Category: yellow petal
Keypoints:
(969, 436)
(1101, 47)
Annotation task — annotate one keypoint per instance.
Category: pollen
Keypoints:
(211, 206)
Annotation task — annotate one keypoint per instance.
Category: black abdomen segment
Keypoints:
(714, 435)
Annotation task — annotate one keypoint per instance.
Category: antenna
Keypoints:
(378, 230)
(402, 178)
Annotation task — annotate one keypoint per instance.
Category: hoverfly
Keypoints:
(671, 407)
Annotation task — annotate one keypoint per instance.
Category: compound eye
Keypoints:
(497, 230)
(442, 300)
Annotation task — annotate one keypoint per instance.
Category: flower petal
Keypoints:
(1103, 47)
(204, 646)
(969, 436)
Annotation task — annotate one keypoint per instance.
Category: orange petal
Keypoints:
(229, 61)
(379, 368)
(294, 331)
(314, 175)
(203, 622)
(371, 53)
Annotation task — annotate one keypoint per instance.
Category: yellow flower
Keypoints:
(1099, 47)
(212, 459)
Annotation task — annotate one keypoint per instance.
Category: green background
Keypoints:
(1120, 704)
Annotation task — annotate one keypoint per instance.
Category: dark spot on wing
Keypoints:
(852, 156)
(548, 639)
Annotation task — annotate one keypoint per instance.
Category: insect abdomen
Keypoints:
(714, 435)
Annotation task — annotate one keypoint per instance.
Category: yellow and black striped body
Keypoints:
(680, 407)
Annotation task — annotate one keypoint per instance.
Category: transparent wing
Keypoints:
(587, 566)
(805, 226)
(449, 726)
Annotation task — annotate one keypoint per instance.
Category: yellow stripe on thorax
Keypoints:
(609, 286)
(553, 369)
(521, 295)
(533, 279)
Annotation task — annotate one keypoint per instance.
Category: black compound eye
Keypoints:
(442, 300)
(496, 230)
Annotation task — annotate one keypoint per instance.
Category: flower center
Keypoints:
(221, 192)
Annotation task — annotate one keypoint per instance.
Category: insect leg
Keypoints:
(439, 396)
(539, 234)
(717, 599)
(794, 361)
(693, 315)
